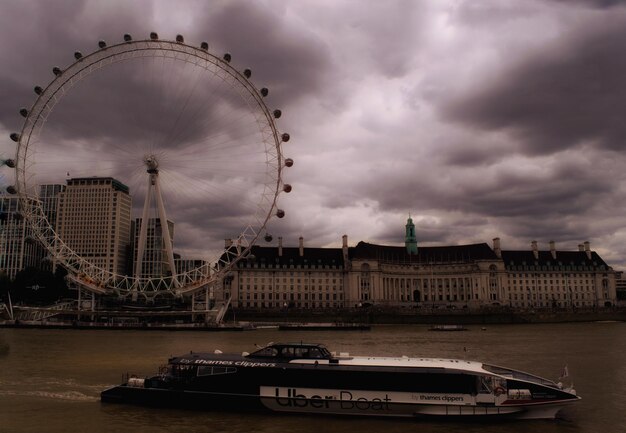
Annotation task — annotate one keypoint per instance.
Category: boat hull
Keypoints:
(292, 400)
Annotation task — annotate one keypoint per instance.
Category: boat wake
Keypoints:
(59, 389)
(62, 395)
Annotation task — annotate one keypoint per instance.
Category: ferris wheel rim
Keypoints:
(101, 280)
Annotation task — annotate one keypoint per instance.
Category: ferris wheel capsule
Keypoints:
(180, 39)
(78, 55)
(264, 92)
(127, 38)
(11, 189)
(288, 162)
(227, 57)
(38, 90)
(247, 73)
(15, 136)
(268, 237)
(287, 188)
(9, 163)
(57, 71)
(102, 44)
(23, 112)
(285, 137)
(204, 46)
(280, 213)
(154, 36)
(277, 114)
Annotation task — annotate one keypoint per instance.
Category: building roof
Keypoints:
(455, 253)
(440, 254)
(291, 256)
(563, 258)
(116, 184)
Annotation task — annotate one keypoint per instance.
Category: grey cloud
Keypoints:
(600, 4)
(562, 189)
(390, 41)
(54, 31)
(557, 99)
(290, 61)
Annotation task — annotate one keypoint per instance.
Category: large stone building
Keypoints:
(279, 277)
(458, 277)
(94, 220)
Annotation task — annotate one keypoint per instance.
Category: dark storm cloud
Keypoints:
(290, 61)
(39, 35)
(559, 189)
(571, 93)
(141, 102)
(601, 4)
(470, 154)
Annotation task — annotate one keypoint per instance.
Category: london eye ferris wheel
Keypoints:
(188, 136)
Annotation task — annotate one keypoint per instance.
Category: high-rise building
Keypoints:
(94, 220)
(49, 197)
(18, 248)
(154, 263)
(49, 200)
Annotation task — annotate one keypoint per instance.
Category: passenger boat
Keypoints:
(447, 328)
(309, 378)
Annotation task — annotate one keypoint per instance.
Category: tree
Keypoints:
(36, 286)
(5, 285)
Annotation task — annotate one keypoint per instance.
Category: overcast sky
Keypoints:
(481, 119)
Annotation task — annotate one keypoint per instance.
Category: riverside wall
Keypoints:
(409, 316)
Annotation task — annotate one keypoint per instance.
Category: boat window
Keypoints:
(507, 372)
(266, 352)
(292, 352)
(485, 385)
(304, 352)
(315, 353)
(205, 370)
(295, 352)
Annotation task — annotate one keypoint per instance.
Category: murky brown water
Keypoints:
(50, 379)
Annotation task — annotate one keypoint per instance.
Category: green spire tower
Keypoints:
(410, 241)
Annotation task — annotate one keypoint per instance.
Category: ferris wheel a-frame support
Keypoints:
(154, 188)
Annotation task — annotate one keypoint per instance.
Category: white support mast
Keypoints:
(154, 188)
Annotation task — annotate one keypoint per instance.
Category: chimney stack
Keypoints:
(553, 250)
(280, 246)
(344, 250)
(301, 246)
(533, 244)
(496, 247)
(588, 249)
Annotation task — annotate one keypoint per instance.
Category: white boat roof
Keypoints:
(404, 361)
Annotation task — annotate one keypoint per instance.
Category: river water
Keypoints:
(50, 380)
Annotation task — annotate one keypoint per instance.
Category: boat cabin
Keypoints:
(289, 351)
